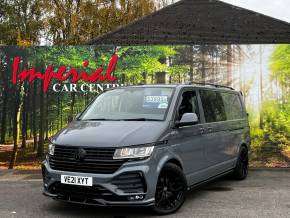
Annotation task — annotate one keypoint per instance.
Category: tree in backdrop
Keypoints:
(43, 114)
(280, 67)
(21, 20)
(12, 98)
(27, 22)
(278, 112)
(36, 114)
(143, 64)
(274, 136)
(69, 22)
(75, 21)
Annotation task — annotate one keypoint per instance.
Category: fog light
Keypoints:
(136, 197)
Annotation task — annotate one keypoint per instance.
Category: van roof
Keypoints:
(207, 85)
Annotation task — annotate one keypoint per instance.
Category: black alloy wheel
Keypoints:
(241, 170)
(170, 190)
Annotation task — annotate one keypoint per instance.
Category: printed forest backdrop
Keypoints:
(29, 116)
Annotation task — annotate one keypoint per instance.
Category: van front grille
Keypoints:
(84, 160)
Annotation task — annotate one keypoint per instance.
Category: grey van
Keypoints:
(147, 145)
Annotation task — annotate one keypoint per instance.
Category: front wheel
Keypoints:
(170, 190)
(241, 169)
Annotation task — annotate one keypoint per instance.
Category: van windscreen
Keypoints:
(133, 103)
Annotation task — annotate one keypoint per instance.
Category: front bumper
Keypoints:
(107, 190)
(98, 202)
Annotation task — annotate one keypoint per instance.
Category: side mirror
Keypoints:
(187, 119)
(78, 116)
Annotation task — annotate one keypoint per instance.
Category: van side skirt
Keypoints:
(213, 178)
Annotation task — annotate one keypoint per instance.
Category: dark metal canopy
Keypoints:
(200, 22)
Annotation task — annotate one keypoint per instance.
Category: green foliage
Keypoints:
(20, 20)
(280, 64)
(138, 60)
(277, 113)
(276, 123)
(141, 63)
(66, 22)
(269, 143)
(275, 134)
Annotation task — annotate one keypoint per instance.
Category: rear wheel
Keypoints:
(241, 169)
(170, 190)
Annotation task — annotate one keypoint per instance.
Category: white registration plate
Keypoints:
(77, 180)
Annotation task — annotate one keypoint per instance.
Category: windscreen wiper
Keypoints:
(98, 119)
(141, 119)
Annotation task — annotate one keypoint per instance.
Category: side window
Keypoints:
(188, 104)
(213, 106)
(233, 106)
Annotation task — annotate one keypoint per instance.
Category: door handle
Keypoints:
(201, 130)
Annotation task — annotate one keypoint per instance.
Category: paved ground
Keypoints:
(266, 193)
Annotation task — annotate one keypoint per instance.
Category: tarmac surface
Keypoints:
(265, 193)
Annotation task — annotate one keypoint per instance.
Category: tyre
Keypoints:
(170, 190)
(241, 169)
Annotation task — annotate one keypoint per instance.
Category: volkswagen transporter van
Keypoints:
(147, 145)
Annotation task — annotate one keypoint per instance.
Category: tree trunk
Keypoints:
(203, 73)
(123, 78)
(191, 63)
(10, 125)
(212, 80)
(61, 113)
(261, 87)
(34, 124)
(216, 74)
(24, 120)
(46, 117)
(41, 123)
(31, 125)
(241, 85)
(4, 105)
(3, 117)
(72, 105)
(144, 75)
(229, 66)
(160, 77)
(16, 126)
(58, 113)
(28, 109)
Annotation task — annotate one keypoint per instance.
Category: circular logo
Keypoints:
(80, 154)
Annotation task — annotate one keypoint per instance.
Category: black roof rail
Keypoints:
(211, 84)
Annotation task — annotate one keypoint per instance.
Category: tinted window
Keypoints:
(213, 106)
(233, 106)
(188, 104)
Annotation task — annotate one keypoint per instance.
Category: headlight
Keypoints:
(134, 152)
(51, 149)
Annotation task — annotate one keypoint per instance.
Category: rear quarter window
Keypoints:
(233, 106)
